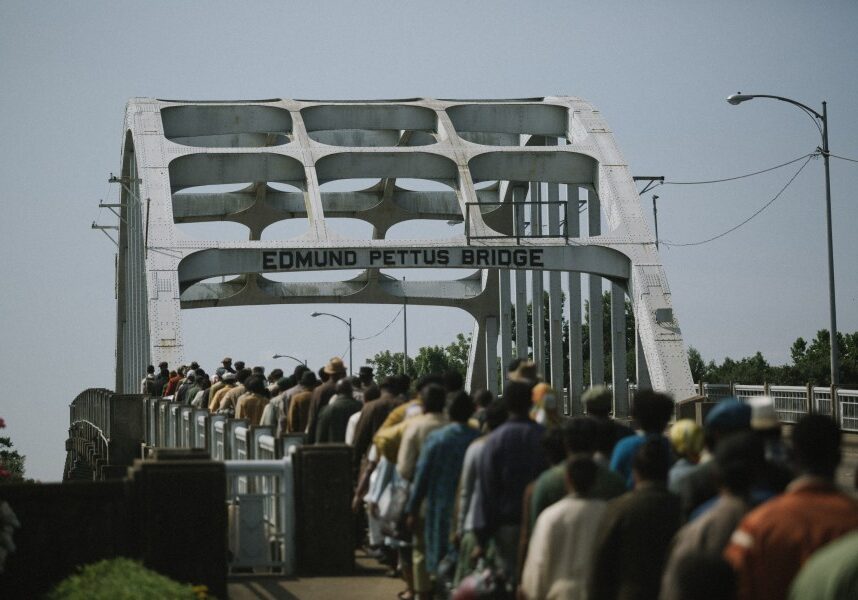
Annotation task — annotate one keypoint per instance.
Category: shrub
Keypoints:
(121, 579)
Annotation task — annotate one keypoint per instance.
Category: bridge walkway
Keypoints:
(369, 582)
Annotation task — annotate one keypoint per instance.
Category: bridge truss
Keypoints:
(522, 175)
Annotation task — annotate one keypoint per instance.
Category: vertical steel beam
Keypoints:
(618, 352)
(519, 193)
(576, 353)
(505, 318)
(536, 284)
(491, 349)
(597, 352)
(555, 300)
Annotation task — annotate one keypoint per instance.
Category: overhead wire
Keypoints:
(383, 329)
(760, 210)
(795, 160)
(843, 158)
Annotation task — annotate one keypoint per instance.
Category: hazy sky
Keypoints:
(658, 71)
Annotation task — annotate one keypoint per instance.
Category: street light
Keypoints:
(738, 98)
(303, 362)
(349, 324)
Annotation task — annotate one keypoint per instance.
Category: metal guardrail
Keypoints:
(794, 401)
(261, 504)
(791, 401)
(260, 494)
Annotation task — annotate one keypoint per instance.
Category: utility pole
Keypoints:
(404, 328)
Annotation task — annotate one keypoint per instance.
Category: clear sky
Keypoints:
(658, 71)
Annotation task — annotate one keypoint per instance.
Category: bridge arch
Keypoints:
(514, 173)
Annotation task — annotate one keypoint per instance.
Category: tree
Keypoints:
(696, 364)
(810, 364)
(429, 359)
(11, 462)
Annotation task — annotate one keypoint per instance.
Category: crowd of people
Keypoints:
(468, 495)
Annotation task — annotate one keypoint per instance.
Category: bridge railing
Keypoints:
(105, 432)
(794, 401)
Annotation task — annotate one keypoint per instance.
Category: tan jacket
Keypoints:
(217, 397)
(250, 406)
(412, 441)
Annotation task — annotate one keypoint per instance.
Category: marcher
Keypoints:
(511, 459)
(334, 370)
(299, 406)
(580, 439)
(831, 573)
(229, 382)
(229, 400)
(561, 549)
(773, 541)
(597, 403)
(652, 410)
(636, 530)
(433, 491)
(469, 490)
(738, 463)
(335, 416)
(686, 438)
(150, 376)
(251, 403)
(698, 486)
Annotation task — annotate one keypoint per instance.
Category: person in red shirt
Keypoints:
(772, 542)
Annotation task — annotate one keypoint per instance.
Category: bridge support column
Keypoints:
(576, 351)
(618, 352)
(537, 287)
(521, 344)
(555, 296)
(505, 326)
(597, 344)
(491, 353)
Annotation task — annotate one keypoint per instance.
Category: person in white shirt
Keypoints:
(561, 548)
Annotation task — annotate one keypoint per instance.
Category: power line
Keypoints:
(795, 160)
(764, 207)
(385, 328)
(843, 158)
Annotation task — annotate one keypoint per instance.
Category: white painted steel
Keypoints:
(265, 539)
(169, 146)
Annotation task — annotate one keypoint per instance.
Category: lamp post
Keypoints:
(823, 118)
(349, 325)
(303, 362)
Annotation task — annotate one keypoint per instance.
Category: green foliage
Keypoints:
(429, 359)
(11, 461)
(810, 364)
(121, 579)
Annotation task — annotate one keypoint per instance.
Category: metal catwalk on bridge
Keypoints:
(521, 175)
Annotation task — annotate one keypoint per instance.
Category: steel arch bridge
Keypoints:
(515, 172)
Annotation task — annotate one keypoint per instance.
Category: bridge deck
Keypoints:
(368, 583)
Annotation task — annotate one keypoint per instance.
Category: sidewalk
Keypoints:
(368, 583)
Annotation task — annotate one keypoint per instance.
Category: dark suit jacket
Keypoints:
(632, 544)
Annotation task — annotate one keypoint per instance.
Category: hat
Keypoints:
(365, 371)
(220, 371)
(228, 376)
(163, 364)
(763, 415)
(686, 437)
(598, 399)
(308, 379)
(526, 371)
(226, 360)
(728, 415)
(335, 365)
